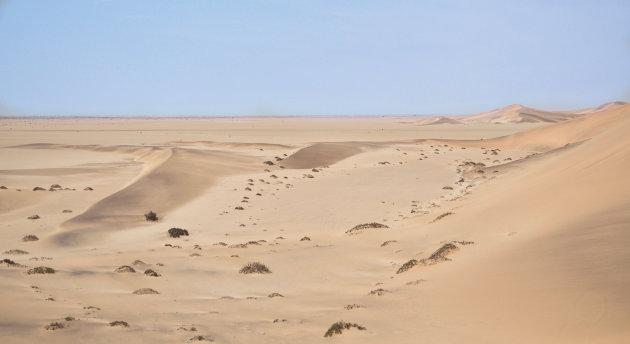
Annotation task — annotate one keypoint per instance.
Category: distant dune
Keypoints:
(517, 113)
(437, 120)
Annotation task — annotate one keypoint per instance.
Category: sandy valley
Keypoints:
(508, 226)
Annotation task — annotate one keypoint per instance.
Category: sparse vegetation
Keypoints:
(442, 252)
(177, 232)
(119, 323)
(388, 242)
(54, 326)
(145, 291)
(9, 262)
(361, 227)
(408, 265)
(442, 216)
(352, 306)
(270, 163)
(305, 239)
(30, 237)
(39, 188)
(255, 268)
(151, 273)
(272, 295)
(151, 216)
(338, 327)
(447, 188)
(436, 257)
(16, 252)
(379, 292)
(41, 270)
(199, 339)
(33, 217)
(124, 268)
(69, 319)
(239, 208)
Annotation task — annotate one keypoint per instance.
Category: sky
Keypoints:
(292, 57)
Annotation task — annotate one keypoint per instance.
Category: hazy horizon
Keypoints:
(277, 58)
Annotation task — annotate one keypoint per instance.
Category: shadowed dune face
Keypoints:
(324, 154)
(183, 176)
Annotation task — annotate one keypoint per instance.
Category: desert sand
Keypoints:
(495, 228)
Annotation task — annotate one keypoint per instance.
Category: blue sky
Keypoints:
(296, 57)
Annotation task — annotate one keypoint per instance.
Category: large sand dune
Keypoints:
(436, 234)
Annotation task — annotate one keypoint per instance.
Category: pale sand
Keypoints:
(549, 262)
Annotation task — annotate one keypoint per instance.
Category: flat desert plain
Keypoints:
(315, 230)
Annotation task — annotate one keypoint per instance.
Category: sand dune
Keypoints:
(167, 184)
(517, 113)
(549, 137)
(491, 244)
(437, 120)
(605, 106)
(323, 154)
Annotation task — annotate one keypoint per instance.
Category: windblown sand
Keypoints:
(516, 233)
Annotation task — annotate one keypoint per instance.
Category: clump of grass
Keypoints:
(442, 216)
(69, 318)
(200, 339)
(269, 162)
(440, 255)
(255, 268)
(361, 227)
(272, 295)
(41, 270)
(408, 265)
(33, 217)
(15, 251)
(54, 326)
(119, 323)
(39, 188)
(9, 262)
(447, 188)
(145, 291)
(379, 292)
(338, 327)
(124, 268)
(388, 242)
(151, 216)
(442, 252)
(30, 237)
(305, 239)
(177, 232)
(151, 273)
